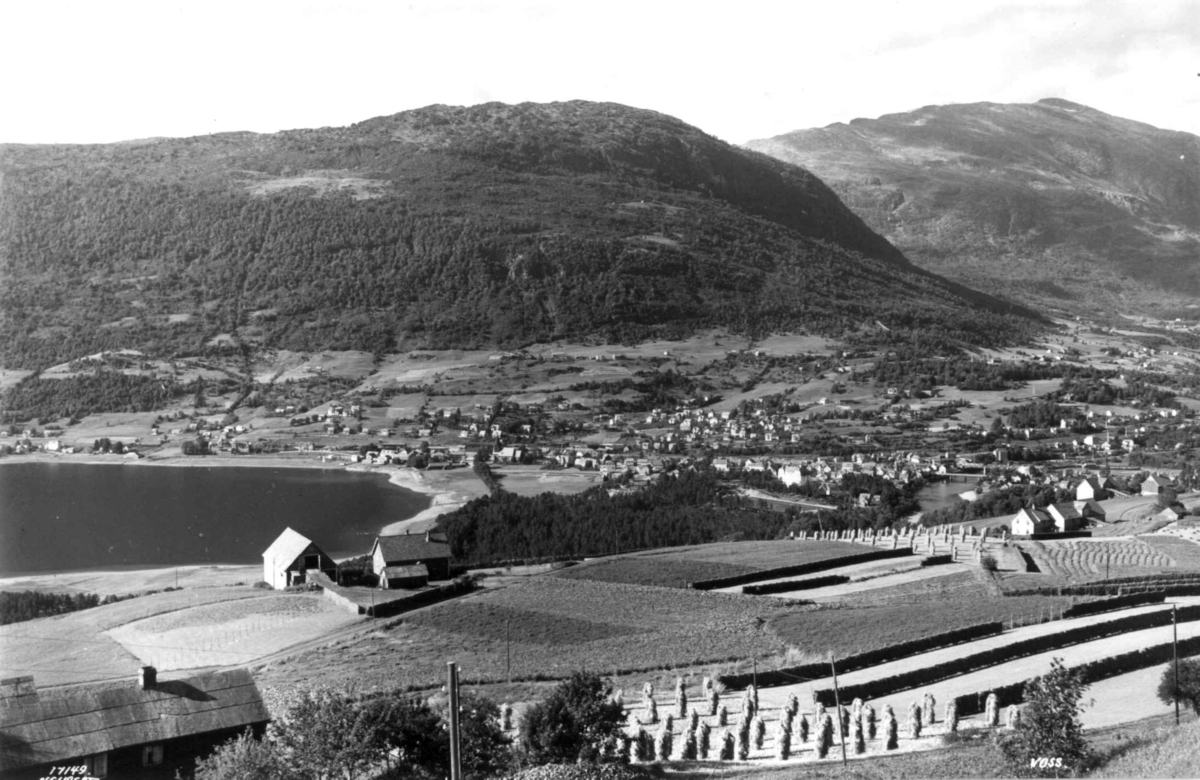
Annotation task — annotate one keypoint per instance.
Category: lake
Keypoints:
(70, 516)
(938, 495)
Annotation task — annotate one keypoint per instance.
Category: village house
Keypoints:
(1066, 517)
(425, 551)
(290, 557)
(1029, 521)
(149, 728)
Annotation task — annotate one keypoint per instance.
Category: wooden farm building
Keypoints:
(290, 556)
(145, 729)
(404, 577)
(408, 550)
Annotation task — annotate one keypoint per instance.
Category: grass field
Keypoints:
(854, 629)
(75, 648)
(675, 567)
(556, 626)
(1184, 552)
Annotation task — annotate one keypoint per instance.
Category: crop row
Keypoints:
(805, 672)
(800, 569)
(969, 663)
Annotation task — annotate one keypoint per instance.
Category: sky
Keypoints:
(110, 70)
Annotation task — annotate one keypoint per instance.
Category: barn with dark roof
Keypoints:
(408, 550)
(150, 728)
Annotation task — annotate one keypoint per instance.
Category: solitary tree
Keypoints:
(1189, 684)
(1049, 740)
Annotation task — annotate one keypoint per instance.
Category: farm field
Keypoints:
(1184, 551)
(675, 567)
(76, 648)
(556, 626)
(849, 629)
(884, 582)
(1086, 559)
(230, 632)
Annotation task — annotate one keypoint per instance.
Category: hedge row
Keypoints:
(805, 672)
(1105, 588)
(1118, 602)
(937, 560)
(790, 585)
(997, 655)
(1093, 671)
(799, 569)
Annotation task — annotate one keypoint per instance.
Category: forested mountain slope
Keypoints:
(1052, 201)
(493, 225)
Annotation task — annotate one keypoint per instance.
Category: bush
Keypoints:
(1188, 691)
(262, 585)
(573, 723)
(1050, 726)
(988, 562)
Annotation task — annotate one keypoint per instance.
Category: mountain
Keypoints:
(1050, 203)
(494, 225)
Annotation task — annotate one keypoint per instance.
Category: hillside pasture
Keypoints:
(553, 627)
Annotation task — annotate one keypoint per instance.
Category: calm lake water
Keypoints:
(69, 516)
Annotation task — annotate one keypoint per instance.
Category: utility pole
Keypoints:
(756, 674)
(837, 702)
(455, 747)
(508, 650)
(1175, 653)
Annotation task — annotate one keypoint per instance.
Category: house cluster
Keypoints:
(405, 560)
(1068, 516)
(705, 427)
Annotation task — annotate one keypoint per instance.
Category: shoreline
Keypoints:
(448, 490)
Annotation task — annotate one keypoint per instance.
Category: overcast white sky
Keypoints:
(108, 70)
